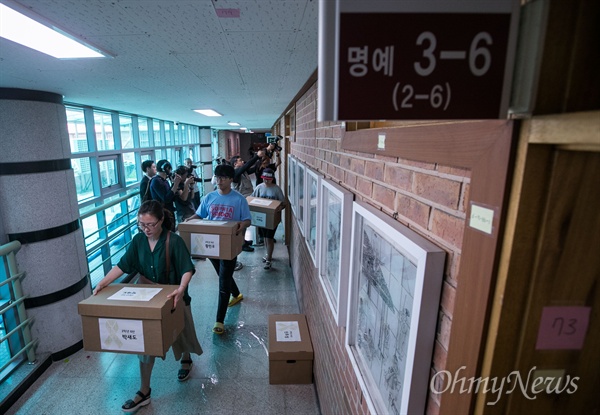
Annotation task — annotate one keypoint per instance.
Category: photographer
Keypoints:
(271, 152)
(162, 190)
(194, 186)
(184, 195)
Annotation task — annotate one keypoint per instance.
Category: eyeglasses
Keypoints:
(148, 226)
(223, 178)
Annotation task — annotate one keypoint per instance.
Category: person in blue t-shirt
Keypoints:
(229, 205)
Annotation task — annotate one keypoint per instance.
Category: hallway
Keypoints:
(231, 377)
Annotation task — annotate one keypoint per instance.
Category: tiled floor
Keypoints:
(231, 377)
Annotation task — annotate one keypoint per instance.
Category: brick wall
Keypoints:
(427, 197)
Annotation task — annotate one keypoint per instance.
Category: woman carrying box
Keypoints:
(147, 255)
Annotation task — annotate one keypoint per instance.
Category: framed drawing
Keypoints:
(335, 212)
(291, 182)
(396, 277)
(300, 172)
(312, 182)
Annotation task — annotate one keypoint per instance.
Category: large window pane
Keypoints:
(77, 131)
(108, 172)
(156, 131)
(130, 168)
(159, 154)
(168, 133)
(126, 128)
(83, 178)
(143, 128)
(104, 131)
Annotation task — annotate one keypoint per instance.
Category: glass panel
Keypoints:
(83, 178)
(77, 131)
(143, 128)
(312, 214)
(126, 128)
(156, 130)
(159, 154)
(90, 228)
(332, 220)
(130, 168)
(108, 173)
(103, 130)
(168, 133)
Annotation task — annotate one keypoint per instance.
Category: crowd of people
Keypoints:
(159, 255)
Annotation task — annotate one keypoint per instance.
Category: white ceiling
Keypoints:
(173, 56)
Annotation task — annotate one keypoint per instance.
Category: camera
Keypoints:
(275, 142)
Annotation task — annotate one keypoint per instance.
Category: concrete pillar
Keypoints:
(38, 207)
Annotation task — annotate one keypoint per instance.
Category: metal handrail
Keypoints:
(16, 300)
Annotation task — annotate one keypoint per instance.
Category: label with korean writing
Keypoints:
(121, 335)
(135, 294)
(481, 219)
(204, 244)
(287, 331)
(258, 219)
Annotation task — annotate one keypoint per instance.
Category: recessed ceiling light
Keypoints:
(209, 113)
(234, 124)
(45, 38)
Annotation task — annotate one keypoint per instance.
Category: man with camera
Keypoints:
(184, 195)
(194, 187)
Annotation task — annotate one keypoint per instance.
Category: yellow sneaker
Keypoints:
(235, 300)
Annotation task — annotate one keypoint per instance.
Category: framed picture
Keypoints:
(300, 172)
(312, 183)
(291, 183)
(335, 225)
(395, 283)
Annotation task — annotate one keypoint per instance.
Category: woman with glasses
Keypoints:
(146, 255)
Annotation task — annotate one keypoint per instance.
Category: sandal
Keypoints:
(132, 406)
(184, 374)
(219, 328)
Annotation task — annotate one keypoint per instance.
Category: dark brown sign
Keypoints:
(423, 66)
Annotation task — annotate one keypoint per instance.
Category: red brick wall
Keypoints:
(427, 197)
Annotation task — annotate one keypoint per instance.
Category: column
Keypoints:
(38, 207)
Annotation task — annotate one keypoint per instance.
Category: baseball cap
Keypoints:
(268, 174)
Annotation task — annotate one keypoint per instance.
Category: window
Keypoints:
(126, 128)
(143, 129)
(104, 132)
(168, 133)
(109, 174)
(76, 129)
(156, 131)
(130, 169)
(83, 178)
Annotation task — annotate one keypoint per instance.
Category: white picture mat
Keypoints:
(335, 226)
(292, 182)
(312, 189)
(411, 374)
(300, 199)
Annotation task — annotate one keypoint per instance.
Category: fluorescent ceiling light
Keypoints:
(243, 128)
(52, 41)
(209, 113)
(234, 124)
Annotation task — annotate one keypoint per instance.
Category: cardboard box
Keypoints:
(265, 212)
(211, 238)
(131, 318)
(290, 350)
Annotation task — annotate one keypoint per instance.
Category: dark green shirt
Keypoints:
(153, 264)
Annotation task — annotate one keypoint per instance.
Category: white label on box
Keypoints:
(287, 331)
(135, 294)
(204, 244)
(122, 335)
(258, 219)
(261, 202)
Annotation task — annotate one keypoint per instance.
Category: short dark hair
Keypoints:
(234, 159)
(147, 164)
(225, 170)
(163, 165)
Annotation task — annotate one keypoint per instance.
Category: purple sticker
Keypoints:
(228, 12)
(563, 328)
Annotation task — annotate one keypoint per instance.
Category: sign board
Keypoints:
(430, 59)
